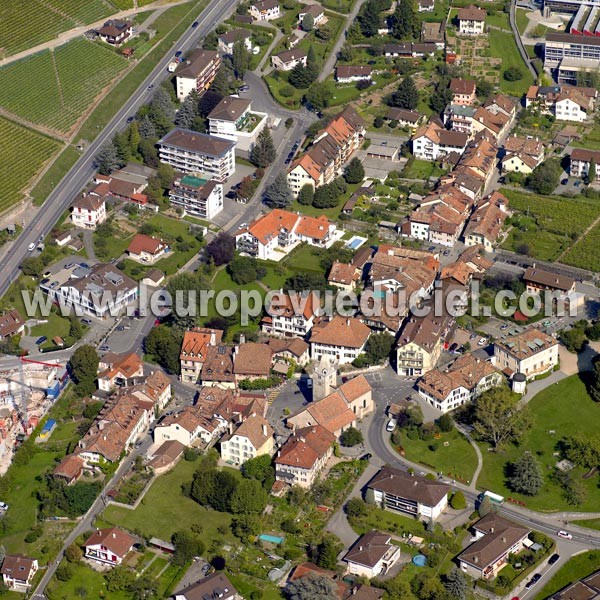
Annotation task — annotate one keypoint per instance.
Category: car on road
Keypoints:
(3, 506)
(41, 340)
(553, 559)
(564, 181)
(121, 328)
(391, 425)
(104, 348)
(178, 53)
(86, 321)
(31, 247)
(482, 342)
(431, 248)
(130, 119)
(367, 456)
(84, 265)
(564, 534)
(242, 225)
(533, 581)
(503, 327)
(194, 24)
(151, 86)
(472, 336)
(244, 88)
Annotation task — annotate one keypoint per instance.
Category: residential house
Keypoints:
(501, 103)
(265, 10)
(18, 572)
(189, 427)
(188, 151)
(254, 437)
(303, 456)
(343, 276)
(587, 587)
(164, 458)
(115, 32)
(153, 277)
(582, 160)
(463, 381)
(413, 495)
(88, 211)
(373, 554)
(353, 73)
(11, 323)
(341, 338)
(479, 159)
(274, 235)
(486, 222)
(459, 117)
(108, 546)
(331, 149)
(471, 20)
(434, 33)
(251, 361)
(538, 281)
(197, 72)
(495, 124)
(316, 11)
(115, 369)
(565, 102)
(69, 469)
(126, 184)
(63, 238)
(531, 353)
(288, 59)
(197, 197)
(194, 351)
(573, 106)
(409, 50)
(463, 91)
(496, 538)
(218, 367)
(291, 315)
(426, 5)
(289, 349)
(431, 142)
(522, 155)
(214, 587)
(404, 117)
(146, 249)
(420, 343)
(228, 40)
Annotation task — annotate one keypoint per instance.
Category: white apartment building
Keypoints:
(196, 153)
(254, 437)
(88, 211)
(197, 196)
(471, 21)
(265, 10)
(342, 339)
(196, 72)
(292, 316)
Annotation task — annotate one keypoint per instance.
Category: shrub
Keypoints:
(458, 501)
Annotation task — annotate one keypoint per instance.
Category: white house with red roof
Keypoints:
(342, 339)
(88, 211)
(194, 350)
(146, 249)
(109, 546)
(291, 315)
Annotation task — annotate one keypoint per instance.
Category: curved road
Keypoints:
(76, 179)
(512, 18)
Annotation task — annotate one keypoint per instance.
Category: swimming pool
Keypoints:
(273, 539)
(355, 242)
(419, 560)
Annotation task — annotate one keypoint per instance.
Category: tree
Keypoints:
(591, 174)
(406, 96)
(527, 475)
(188, 110)
(311, 587)
(497, 418)
(440, 98)
(261, 469)
(32, 266)
(458, 502)
(119, 578)
(245, 526)
(347, 53)
(326, 553)
(249, 497)
(244, 269)
(574, 339)
(513, 74)
(324, 33)
(484, 88)
(211, 41)
(221, 248)
(107, 159)
(318, 95)
(263, 153)
(582, 450)
(143, 587)
(368, 18)
(405, 20)
(73, 553)
(163, 343)
(187, 545)
(306, 195)
(308, 22)
(146, 128)
(354, 171)
(594, 387)
(240, 59)
(379, 346)
(445, 423)
(64, 571)
(133, 136)
(355, 507)
(149, 153)
(485, 506)
(455, 583)
(83, 366)
(300, 77)
(545, 177)
(351, 437)
(278, 193)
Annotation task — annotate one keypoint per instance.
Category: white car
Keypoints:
(482, 342)
(391, 425)
(564, 534)
(242, 225)
(31, 247)
(3, 506)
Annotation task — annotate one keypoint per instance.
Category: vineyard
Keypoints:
(26, 24)
(54, 90)
(22, 154)
(584, 253)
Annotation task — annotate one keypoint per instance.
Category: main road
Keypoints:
(79, 175)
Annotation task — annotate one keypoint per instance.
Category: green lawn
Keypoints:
(83, 578)
(590, 523)
(567, 409)
(575, 568)
(421, 169)
(522, 20)
(500, 19)
(166, 510)
(502, 45)
(386, 520)
(342, 6)
(457, 460)
(303, 258)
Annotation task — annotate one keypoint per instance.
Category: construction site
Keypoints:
(27, 391)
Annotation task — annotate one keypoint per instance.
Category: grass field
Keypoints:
(575, 568)
(556, 222)
(522, 20)
(584, 253)
(421, 169)
(566, 408)
(590, 523)
(503, 46)
(55, 88)
(16, 173)
(50, 179)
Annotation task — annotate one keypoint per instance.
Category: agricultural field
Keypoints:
(34, 22)
(584, 253)
(547, 225)
(60, 85)
(16, 173)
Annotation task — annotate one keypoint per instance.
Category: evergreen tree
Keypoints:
(368, 18)
(591, 174)
(406, 96)
(354, 171)
(263, 152)
(107, 159)
(146, 128)
(456, 584)
(308, 22)
(346, 53)
(240, 59)
(278, 193)
(318, 95)
(405, 20)
(527, 475)
(326, 553)
(594, 388)
(306, 195)
(221, 83)
(188, 111)
(134, 137)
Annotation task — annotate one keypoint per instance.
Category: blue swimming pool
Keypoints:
(419, 560)
(273, 539)
(355, 242)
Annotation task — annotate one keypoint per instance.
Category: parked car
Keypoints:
(565, 534)
(504, 327)
(41, 340)
(391, 425)
(446, 252)
(472, 336)
(120, 328)
(482, 342)
(564, 181)
(3, 506)
(453, 347)
(554, 558)
(578, 183)
(84, 265)
(86, 321)
(367, 456)
(104, 348)
(178, 53)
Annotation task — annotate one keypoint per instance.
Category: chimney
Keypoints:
(491, 530)
(114, 535)
(242, 338)
(264, 430)
(476, 559)
(503, 540)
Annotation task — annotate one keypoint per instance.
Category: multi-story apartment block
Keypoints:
(486, 223)
(196, 72)
(431, 142)
(254, 437)
(197, 196)
(188, 151)
(194, 350)
(581, 161)
(463, 91)
(567, 54)
(531, 353)
(342, 339)
(292, 315)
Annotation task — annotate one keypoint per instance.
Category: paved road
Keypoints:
(513, 25)
(75, 180)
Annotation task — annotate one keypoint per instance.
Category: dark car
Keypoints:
(501, 180)
(554, 558)
(194, 24)
(533, 581)
(453, 347)
(83, 265)
(41, 340)
(564, 181)
(130, 119)
(178, 53)
(367, 456)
